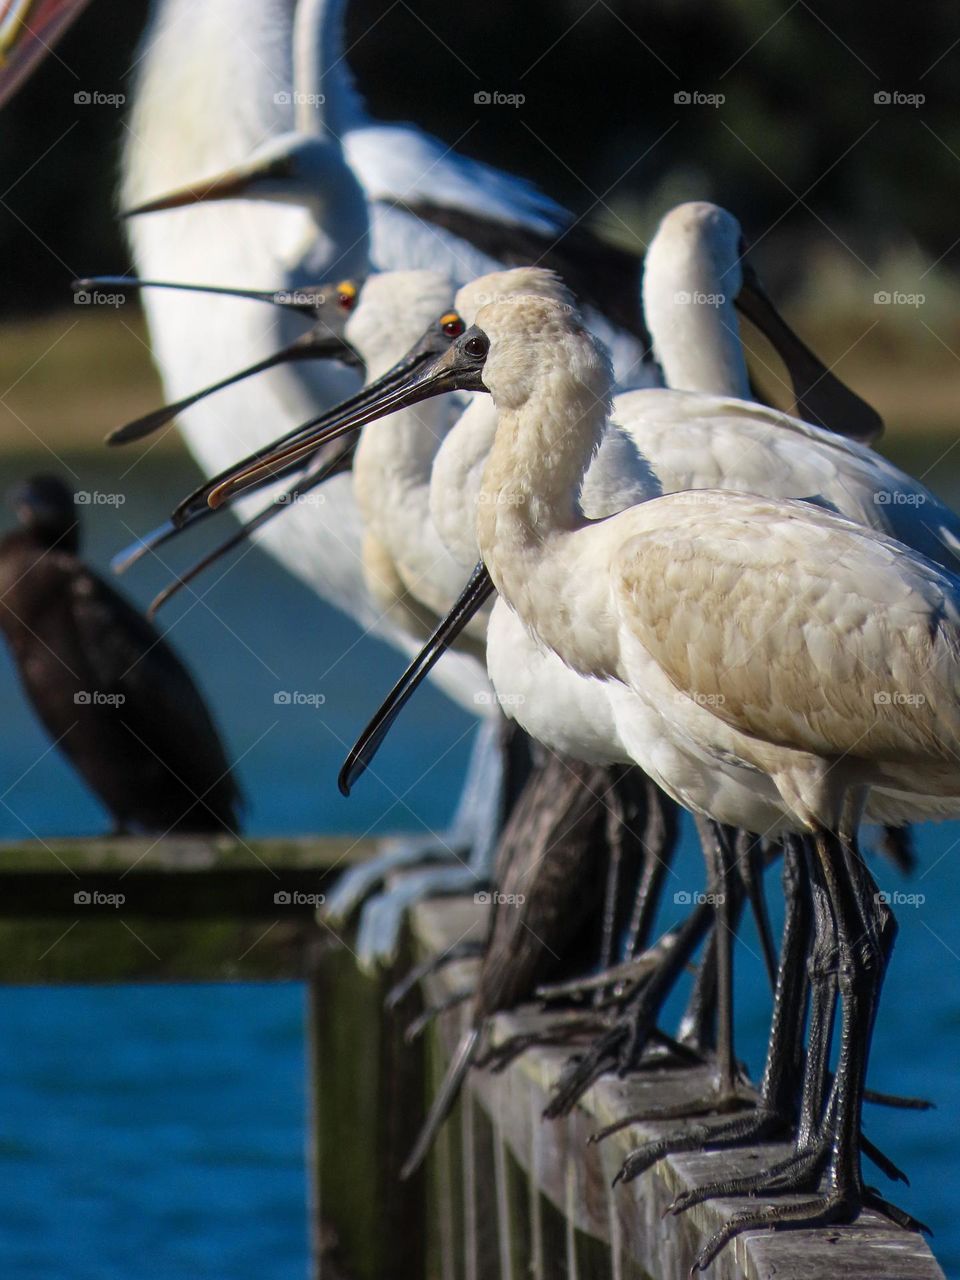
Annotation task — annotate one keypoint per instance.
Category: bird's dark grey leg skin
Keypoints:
(416, 1028)
(751, 865)
(617, 837)
(621, 1045)
(775, 1112)
(708, 1022)
(468, 950)
(777, 1115)
(697, 1025)
(660, 836)
(865, 931)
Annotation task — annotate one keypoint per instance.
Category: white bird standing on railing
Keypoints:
(768, 630)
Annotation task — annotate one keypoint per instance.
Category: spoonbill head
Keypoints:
(696, 278)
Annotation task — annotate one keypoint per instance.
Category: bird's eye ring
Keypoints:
(452, 324)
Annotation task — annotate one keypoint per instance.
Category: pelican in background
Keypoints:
(108, 688)
(190, 124)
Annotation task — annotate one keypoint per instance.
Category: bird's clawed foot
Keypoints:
(720, 1101)
(382, 917)
(839, 1205)
(758, 1125)
(564, 1031)
(357, 883)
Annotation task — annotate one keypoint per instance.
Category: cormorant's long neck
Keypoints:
(326, 99)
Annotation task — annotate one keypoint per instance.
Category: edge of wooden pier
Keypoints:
(505, 1194)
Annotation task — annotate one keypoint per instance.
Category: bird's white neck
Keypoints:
(325, 98)
(188, 117)
(529, 521)
(689, 309)
(391, 479)
(457, 475)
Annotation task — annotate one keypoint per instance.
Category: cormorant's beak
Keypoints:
(308, 302)
(318, 343)
(234, 184)
(474, 595)
(28, 31)
(432, 367)
(821, 398)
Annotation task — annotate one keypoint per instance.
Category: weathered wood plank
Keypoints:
(177, 853)
(574, 1177)
(138, 909)
(367, 1102)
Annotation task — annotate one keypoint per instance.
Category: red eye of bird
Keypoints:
(346, 296)
(452, 324)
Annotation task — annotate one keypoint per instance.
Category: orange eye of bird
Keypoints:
(346, 296)
(452, 324)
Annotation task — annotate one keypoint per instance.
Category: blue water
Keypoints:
(159, 1131)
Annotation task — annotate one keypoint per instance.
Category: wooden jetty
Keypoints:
(505, 1195)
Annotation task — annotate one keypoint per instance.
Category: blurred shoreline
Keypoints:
(69, 377)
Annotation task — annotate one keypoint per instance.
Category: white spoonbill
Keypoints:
(773, 625)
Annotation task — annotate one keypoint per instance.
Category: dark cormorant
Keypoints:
(108, 688)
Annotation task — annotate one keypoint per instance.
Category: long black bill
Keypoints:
(129, 556)
(419, 376)
(324, 468)
(821, 398)
(317, 343)
(474, 595)
(308, 302)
